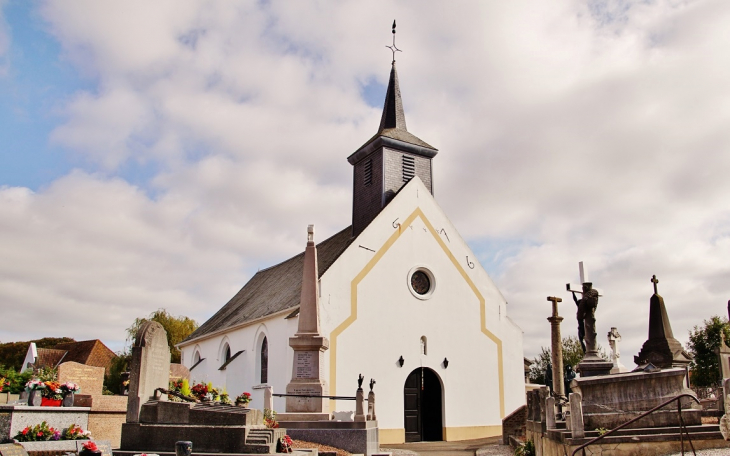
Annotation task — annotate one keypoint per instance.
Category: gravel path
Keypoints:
(710, 452)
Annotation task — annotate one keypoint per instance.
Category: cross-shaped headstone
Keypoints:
(655, 281)
(555, 301)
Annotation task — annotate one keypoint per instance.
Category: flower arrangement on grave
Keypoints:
(224, 397)
(200, 391)
(35, 384)
(213, 394)
(270, 419)
(90, 448)
(69, 388)
(243, 399)
(185, 388)
(285, 444)
(174, 386)
(53, 391)
(3, 384)
(74, 432)
(38, 433)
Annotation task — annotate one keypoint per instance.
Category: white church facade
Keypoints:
(402, 300)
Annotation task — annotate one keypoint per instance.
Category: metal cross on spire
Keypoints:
(393, 48)
(655, 281)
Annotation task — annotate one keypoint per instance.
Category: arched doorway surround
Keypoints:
(423, 406)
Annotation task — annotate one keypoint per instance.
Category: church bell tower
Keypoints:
(387, 161)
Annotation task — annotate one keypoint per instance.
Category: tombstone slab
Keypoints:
(150, 367)
(89, 378)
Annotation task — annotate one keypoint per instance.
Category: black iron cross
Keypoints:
(655, 281)
(393, 48)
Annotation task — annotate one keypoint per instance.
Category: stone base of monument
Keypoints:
(611, 400)
(303, 417)
(211, 428)
(605, 402)
(593, 366)
(353, 436)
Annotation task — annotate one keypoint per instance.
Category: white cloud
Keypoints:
(568, 131)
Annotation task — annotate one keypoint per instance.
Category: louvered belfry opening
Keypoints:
(409, 167)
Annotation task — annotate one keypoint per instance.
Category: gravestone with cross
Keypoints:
(661, 348)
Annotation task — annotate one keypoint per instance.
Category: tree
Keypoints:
(572, 354)
(177, 328)
(704, 345)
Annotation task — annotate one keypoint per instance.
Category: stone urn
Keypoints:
(242, 404)
(68, 400)
(34, 398)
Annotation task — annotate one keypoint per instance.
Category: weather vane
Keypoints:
(393, 48)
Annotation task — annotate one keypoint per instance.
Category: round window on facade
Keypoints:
(421, 282)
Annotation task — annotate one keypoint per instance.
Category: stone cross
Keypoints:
(613, 340)
(655, 281)
(556, 347)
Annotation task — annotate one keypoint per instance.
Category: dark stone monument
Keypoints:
(661, 348)
(591, 364)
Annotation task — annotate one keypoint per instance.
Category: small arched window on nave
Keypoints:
(265, 361)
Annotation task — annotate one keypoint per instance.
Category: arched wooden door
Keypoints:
(422, 406)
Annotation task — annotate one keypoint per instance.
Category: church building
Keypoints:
(402, 300)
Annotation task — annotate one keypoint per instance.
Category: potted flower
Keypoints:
(52, 394)
(90, 449)
(68, 390)
(38, 433)
(285, 444)
(243, 399)
(200, 391)
(35, 390)
(74, 432)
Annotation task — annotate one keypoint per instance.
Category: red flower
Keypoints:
(90, 446)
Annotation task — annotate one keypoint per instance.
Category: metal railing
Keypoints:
(649, 412)
(339, 398)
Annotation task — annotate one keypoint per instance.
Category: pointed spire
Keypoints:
(393, 116)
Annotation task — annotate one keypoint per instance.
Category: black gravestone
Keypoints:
(12, 449)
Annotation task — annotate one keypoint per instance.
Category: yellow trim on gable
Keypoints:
(417, 213)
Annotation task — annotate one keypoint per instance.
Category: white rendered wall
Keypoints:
(243, 373)
(389, 321)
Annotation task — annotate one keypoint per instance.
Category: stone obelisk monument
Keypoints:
(309, 346)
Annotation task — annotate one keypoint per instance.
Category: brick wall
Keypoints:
(514, 424)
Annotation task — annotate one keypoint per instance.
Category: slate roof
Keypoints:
(393, 120)
(273, 289)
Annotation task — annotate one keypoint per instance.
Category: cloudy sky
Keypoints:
(155, 155)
